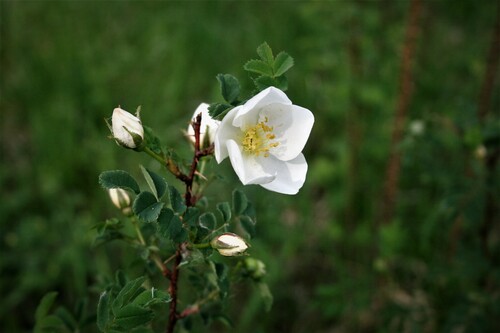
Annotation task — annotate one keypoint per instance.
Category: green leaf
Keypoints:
(265, 53)
(259, 67)
(229, 87)
(44, 306)
(152, 297)
(176, 200)
(156, 183)
(131, 316)
(208, 221)
(118, 179)
(146, 207)
(191, 216)
(248, 224)
(218, 110)
(103, 311)
(225, 209)
(240, 202)
(282, 63)
(66, 316)
(128, 293)
(152, 141)
(263, 82)
(266, 295)
(170, 226)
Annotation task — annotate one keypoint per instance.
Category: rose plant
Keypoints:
(170, 227)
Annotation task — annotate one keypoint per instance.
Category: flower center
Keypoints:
(258, 139)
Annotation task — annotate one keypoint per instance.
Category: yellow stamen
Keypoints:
(257, 139)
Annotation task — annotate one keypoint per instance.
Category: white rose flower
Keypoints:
(229, 244)
(127, 128)
(208, 126)
(264, 139)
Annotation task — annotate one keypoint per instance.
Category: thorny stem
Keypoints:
(190, 202)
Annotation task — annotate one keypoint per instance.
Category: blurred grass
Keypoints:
(66, 65)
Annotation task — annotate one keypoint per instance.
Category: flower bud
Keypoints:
(229, 244)
(417, 127)
(127, 129)
(207, 129)
(255, 268)
(120, 199)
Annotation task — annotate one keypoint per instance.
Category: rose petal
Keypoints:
(249, 168)
(249, 112)
(226, 131)
(291, 125)
(290, 177)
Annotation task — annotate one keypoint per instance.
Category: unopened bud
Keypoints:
(127, 129)
(255, 268)
(120, 199)
(208, 126)
(229, 244)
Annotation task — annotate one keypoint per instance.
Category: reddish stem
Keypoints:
(190, 200)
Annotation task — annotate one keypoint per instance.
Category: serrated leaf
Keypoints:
(240, 202)
(264, 82)
(128, 293)
(248, 224)
(146, 207)
(259, 67)
(218, 110)
(229, 87)
(118, 179)
(176, 200)
(103, 311)
(152, 141)
(156, 183)
(282, 63)
(191, 216)
(225, 209)
(208, 221)
(151, 297)
(170, 225)
(265, 53)
(132, 316)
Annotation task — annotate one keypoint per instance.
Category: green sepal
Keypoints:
(146, 207)
(118, 179)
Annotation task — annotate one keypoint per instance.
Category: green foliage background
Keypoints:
(65, 65)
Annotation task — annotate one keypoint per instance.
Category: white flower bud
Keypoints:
(127, 128)
(208, 126)
(229, 244)
(119, 197)
(480, 152)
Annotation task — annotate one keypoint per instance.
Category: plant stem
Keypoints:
(190, 200)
